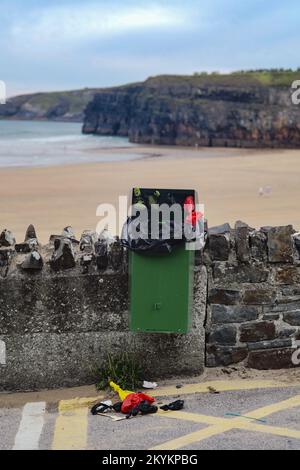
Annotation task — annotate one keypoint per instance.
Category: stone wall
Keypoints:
(64, 306)
(253, 309)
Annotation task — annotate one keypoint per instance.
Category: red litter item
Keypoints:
(193, 217)
(189, 204)
(134, 399)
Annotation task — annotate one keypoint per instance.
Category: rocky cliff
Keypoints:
(238, 110)
(56, 106)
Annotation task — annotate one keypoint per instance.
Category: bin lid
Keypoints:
(163, 195)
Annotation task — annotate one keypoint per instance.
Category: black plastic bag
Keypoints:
(143, 243)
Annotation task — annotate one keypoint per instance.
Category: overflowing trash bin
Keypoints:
(161, 235)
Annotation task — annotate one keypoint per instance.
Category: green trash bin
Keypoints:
(161, 285)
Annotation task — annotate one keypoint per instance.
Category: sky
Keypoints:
(69, 44)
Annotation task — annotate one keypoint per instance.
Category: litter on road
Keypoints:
(149, 385)
(174, 406)
(212, 390)
(132, 404)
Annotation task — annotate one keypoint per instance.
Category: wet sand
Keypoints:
(227, 180)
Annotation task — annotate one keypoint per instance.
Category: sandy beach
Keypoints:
(227, 180)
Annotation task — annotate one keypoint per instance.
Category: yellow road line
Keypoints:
(196, 436)
(194, 417)
(66, 405)
(275, 407)
(221, 425)
(276, 430)
(220, 385)
(214, 430)
(70, 428)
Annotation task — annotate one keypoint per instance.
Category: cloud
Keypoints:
(90, 21)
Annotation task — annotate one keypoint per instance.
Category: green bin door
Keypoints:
(161, 291)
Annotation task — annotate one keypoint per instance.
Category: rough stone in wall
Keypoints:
(242, 241)
(30, 241)
(87, 249)
(63, 256)
(280, 244)
(68, 232)
(7, 238)
(253, 309)
(30, 236)
(296, 238)
(115, 255)
(33, 262)
(219, 242)
(87, 241)
(258, 245)
(101, 249)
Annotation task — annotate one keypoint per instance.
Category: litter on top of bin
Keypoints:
(161, 220)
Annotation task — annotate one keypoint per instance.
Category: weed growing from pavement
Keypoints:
(122, 369)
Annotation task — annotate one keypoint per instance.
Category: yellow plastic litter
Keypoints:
(122, 393)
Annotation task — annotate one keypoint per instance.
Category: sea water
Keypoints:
(44, 143)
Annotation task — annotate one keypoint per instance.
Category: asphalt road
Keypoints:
(270, 420)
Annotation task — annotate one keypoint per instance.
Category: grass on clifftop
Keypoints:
(272, 77)
(76, 99)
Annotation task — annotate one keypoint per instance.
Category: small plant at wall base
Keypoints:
(123, 370)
